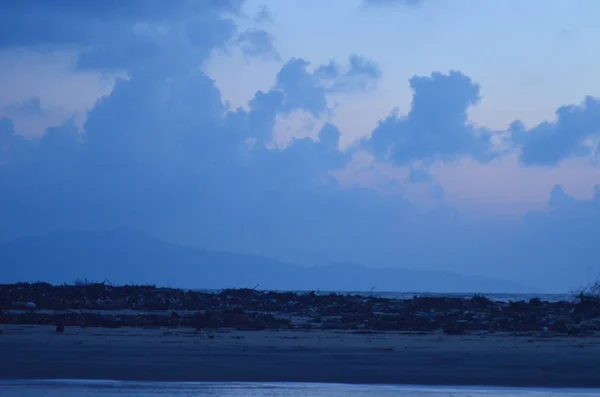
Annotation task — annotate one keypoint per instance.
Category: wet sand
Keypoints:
(38, 352)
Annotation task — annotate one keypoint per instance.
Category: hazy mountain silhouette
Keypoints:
(124, 256)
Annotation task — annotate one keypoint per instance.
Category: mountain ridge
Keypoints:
(125, 256)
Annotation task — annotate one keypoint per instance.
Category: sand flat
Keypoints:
(179, 354)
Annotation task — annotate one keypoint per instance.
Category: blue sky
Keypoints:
(439, 134)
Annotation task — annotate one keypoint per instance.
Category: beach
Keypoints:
(147, 333)
(183, 354)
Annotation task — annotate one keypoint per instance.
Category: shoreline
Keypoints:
(145, 333)
(193, 386)
(102, 305)
(167, 354)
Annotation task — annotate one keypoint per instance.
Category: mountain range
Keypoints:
(124, 256)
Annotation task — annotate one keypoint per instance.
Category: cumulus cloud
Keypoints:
(263, 16)
(308, 90)
(257, 43)
(574, 133)
(303, 89)
(30, 107)
(437, 127)
(361, 75)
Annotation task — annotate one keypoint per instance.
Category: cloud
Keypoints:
(118, 35)
(166, 155)
(303, 89)
(575, 133)
(32, 107)
(565, 235)
(71, 23)
(559, 199)
(392, 2)
(7, 131)
(167, 148)
(67, 22)
(263, 16)
(361, 75)
(306, 90)
(15, 150)
(437, 127)
(417, 175)
(162, 152)
(257, 43)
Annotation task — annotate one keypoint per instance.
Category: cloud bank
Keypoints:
(164, 153)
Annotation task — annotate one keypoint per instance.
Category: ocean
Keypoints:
(138, 389)
(499, 297)
(493, 296)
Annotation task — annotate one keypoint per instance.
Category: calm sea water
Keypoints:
(139, 389)
(495, 297)
(408, 295)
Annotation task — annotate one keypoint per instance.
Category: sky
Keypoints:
(454, 135)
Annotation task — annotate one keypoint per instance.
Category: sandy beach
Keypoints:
(147, 333)
(181, 354)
